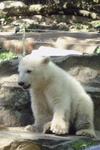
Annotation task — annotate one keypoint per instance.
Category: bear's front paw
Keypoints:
(59, 127)
(31, 128)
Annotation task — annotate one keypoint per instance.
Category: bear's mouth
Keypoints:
(26, 87)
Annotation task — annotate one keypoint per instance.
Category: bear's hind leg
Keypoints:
(86, 132)
(84, 119)
(84, 127)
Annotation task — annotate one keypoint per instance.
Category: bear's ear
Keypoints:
(20, 57)
(46, 60)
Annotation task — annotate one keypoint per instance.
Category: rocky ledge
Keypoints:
(21, 140)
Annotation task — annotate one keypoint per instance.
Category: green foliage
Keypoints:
(0, 28)
(2, 16)
(80, 26)
(98, 50)
(32, 26)
(96, 1)
(81, 145)
(36, 26)
(95, 26)
(26, 27)
(7, 19)
(6, 55)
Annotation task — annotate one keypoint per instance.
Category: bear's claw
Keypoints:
(31, 128)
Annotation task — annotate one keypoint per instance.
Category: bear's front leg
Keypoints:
(39, 123)
(60, 122)
(40, 111)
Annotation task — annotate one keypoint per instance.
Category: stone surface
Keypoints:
(14, 101)
(70, 19)
(97, 147)
(8, 4)
(14, 105)
(16, 46)
(81, 46)
(21, 140)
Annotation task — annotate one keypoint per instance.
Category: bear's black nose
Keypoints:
(21, 83)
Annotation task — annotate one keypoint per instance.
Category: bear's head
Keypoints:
(32, 71)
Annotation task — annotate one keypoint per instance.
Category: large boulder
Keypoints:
(8, 4)
(14, 102)
(16, 46)
(81, 46)
(15, 105)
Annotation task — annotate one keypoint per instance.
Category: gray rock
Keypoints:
(28, 141)
(9, 67)
(93, 148)
(8, 4)
(14, 102)
(67, 62)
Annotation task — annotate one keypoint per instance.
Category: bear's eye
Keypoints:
(29, 71)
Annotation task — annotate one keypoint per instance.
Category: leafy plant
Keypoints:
(81, 145)
(6, 55)
(7, 19)
(98, 50)
(80, 26)
(26, 27)
(0, 28)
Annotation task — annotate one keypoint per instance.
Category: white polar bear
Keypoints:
(58, 100)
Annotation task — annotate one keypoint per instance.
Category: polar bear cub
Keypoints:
(58, 100)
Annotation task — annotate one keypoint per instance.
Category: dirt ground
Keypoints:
(85, 42)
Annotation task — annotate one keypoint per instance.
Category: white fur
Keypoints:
(57, 97)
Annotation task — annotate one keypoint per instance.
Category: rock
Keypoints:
(14, 102)
(3, 128)
(27, 140)
(68, 62)
(62, 26)
(70, 19)
(17, 46)
(94, 147)
(8, 4)
(35, 7)
(41, 19)
(12, 65)
(65, 43)
(15, 105)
